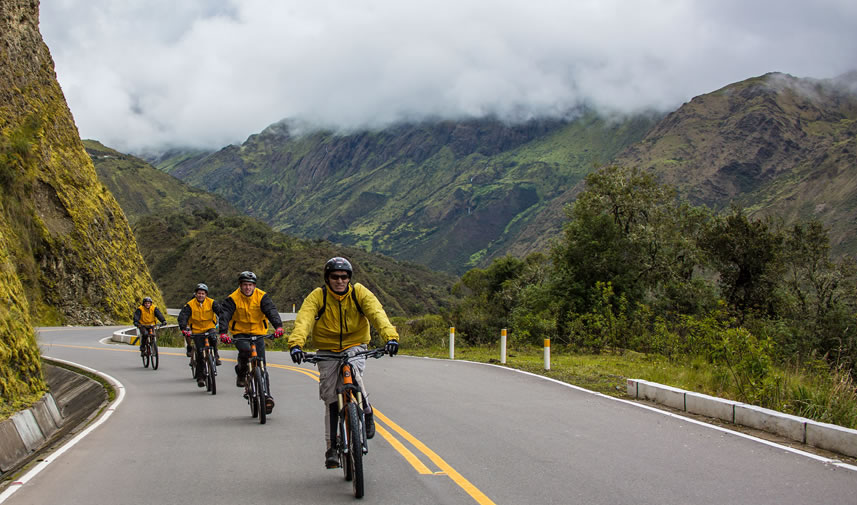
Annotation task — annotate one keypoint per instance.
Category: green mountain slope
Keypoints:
(183, 250)
(776, 144)
(189, 236)
(142, 190)
(450, 195)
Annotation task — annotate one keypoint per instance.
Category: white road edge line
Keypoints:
(108, 411)
(829, 461)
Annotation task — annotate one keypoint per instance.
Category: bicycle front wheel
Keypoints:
(355, 449)
(258, 380)
(210, 382)
(146, 352)
(193, 365)
(155, 360)
(252, 395)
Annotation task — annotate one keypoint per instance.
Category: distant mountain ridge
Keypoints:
(775, 144)
(456, 194)
(447, 194)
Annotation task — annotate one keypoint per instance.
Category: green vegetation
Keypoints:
(814, 394)
(204, 246)
(764, 310)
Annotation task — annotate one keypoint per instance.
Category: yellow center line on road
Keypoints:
(406, 453)
(456, 477)
(409, 456)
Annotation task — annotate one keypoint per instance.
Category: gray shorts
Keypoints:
(328, 372)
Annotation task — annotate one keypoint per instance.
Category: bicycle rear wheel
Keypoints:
(154, 344)
(210, 382)
(192, 364)
(260, 394)
(355, 449)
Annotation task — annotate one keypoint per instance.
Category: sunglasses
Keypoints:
(339, 277)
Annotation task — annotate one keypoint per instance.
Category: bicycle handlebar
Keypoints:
(312, 357)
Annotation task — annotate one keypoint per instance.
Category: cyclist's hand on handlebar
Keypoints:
(297, 354)
(392, 347)
(278, 333)
(186, 333)
(225, 338)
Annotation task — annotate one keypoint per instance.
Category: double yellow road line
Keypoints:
(410, 457)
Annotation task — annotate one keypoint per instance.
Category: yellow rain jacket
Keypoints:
(341, 325)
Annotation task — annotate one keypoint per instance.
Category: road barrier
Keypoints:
(72, 398)
(806, 431)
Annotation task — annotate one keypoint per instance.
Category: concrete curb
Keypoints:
(130, 335)
(806, 431)
(72, 399)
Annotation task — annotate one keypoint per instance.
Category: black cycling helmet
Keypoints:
(246, 276)
(148, 299)
(337, 263)
(201, 286)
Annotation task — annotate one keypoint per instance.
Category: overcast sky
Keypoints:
(143, 74)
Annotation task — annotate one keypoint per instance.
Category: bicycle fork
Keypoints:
(353, 391)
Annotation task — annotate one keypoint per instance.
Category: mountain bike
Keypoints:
(150, 350)
(256, 385)
(208, 367)
(351, 443)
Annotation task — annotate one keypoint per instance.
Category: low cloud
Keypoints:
(206, 73)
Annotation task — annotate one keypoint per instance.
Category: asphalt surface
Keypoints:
(449, 433)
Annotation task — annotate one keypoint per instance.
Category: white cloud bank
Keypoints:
(143, 74)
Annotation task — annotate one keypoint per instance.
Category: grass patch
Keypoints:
(815, 394)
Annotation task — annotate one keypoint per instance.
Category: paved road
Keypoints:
(449, 433)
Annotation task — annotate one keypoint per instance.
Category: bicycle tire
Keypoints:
(192, 364)
(211, 382)
(252, 396)
(155, 358)
(355, 449)
(146, 352)
(260, 397)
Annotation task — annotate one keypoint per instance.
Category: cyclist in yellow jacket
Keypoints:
(249, 310)
(197, 318)
(147, 315)
(337, 315)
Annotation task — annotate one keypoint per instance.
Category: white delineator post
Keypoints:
(503, 345)
(452, 342)
(293, 308)
(547, 354)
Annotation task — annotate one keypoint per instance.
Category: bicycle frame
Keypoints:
(351, 443)
(254, 394)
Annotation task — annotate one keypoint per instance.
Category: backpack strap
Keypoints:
(323, 302)
(354, 297)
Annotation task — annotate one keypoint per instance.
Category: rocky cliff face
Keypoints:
(68, 255)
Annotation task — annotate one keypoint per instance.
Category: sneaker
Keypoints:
(239, 381)
(189, 351)
(331, 459)
(217, 361)
(370, 425)
(200, 382)
(269, 404)
(142, 352)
